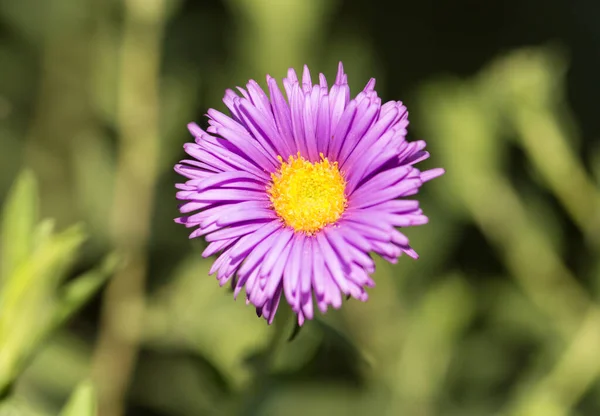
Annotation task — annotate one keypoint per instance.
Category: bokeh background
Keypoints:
(499, 316)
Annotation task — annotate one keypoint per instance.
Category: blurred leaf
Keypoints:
(37, 278)
(28, 298)
(195, 386)
(43, 233)
(342, 340)
(194, 312)
(533, 89)
(83, 288)
(82, 402)
(19, 218)
(282, 355)
(376, 328)
(462, 117)
(93, 177)
(23, 407)
(295, 332)
(64, 353)
(321, 399)
(284, 30)
(36, 261)
(595, 161)
(27, 17)
(435, 325)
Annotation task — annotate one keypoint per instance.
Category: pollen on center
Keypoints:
(308, 196)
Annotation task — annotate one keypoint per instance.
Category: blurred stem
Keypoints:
(521, 242)
(573, 374)
(559, 166)
(277, 35)
(136, 173)
(547, 281)
(504, 219)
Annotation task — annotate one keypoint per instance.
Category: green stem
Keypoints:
(120, 331)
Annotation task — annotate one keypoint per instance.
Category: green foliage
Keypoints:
(35, 300)
(82, 402)
(18, 222)
(475, 115)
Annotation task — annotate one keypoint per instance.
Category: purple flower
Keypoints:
(296, 193)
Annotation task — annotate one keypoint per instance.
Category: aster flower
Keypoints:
(295, 194)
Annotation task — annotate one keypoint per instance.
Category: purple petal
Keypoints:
(366, 113)
(431, 174)
(322, 132)
(291, 273)
(333, 263)
(404, 188)
(297, 111)
(341, 130)
(230, 218)
(240, 230)
(282, 114)
(374, 133)
(276, 251)
(247, 243)
(382, 181)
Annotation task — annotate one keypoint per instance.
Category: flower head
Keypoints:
(296, 194)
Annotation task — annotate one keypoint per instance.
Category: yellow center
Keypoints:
(308, 196)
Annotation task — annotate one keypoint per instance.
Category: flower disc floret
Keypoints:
(308, 196)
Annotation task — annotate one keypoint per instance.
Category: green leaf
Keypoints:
(37, 278)
(84, 287)
(43, 233)
(82, 402)
(194, 312)
(28, 300)
(19, 219)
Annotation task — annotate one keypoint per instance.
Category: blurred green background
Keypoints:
(111, 300)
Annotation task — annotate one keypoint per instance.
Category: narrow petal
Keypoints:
(431, 174)
(230, 218)
(333, 263)
(283, 120)
(225, 194)
(240, 230)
